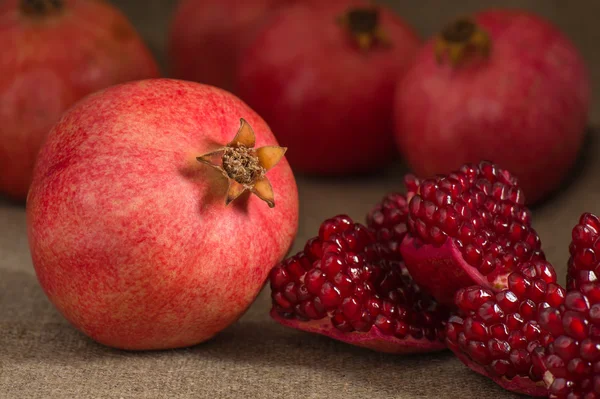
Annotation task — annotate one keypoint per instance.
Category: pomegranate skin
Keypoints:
(525, 108)
(207, 36)
(48, 62)
(129, 234)
(324, 97)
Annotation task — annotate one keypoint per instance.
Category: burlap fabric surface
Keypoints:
(42, 356)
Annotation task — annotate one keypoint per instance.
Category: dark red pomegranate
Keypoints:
(501, 85)
(495, 333)
(343, 286)
(571, 363)
(323, 76)
(584, 263)
(469, 227)
(207, 37)
(54, 52)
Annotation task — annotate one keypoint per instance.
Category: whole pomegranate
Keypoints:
(54, 52)
(207, 37)
(500, 85)
(146, 220)
(323, 76)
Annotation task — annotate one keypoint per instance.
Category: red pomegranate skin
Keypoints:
(50, 61)
(525, 108)
(326, 99)
(130, 235)
(207, 36)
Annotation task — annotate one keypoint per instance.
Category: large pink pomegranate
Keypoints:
(500, 85)
(207, 37)
(323, 76)
(54, 52)
(146, 218)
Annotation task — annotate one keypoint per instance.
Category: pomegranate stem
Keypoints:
(364, 26)
(462, 40)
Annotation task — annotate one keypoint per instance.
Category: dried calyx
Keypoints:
(461, 41)
(364, 26)
(41, 7)
(245, 166)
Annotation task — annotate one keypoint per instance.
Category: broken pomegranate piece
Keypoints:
(495, 333)
(342, 285)
(469, 227)
(571, 363)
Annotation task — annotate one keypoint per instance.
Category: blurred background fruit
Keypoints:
(130, 235)
(54, 52)
(323, 77)
(500, 85)
(207, 36)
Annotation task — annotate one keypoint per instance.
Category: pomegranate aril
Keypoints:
(279, 278)
(330, 296)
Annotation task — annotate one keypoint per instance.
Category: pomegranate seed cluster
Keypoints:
(388, 221)
(480, 207)
(342, 275)
(500, 330)
(572, 361)
(584, 263)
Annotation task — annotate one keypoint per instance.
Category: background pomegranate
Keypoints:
(130, 235)
(207, 37)
(53, 53)
(509, 87)
(323, 77)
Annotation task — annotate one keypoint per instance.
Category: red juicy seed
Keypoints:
(330, 296)
(490, 312)
(331, 265)
(313, 249)
(473, 254)
(528, 309)
(478, 352)
(385, 325)
(341, 323)
(312, 311)
(427, 190)
(518, 284)
(502, 367)
(351, 308)
(499, 331)
(314, 280)
(411, 182)
(280, 300)
(532, 331)
(517, 339)
(576, 301)
(498, 349)
(589, 350)
(521, 360)
(279, 277)
(565, 347)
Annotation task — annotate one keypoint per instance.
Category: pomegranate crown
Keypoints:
(245, 166)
